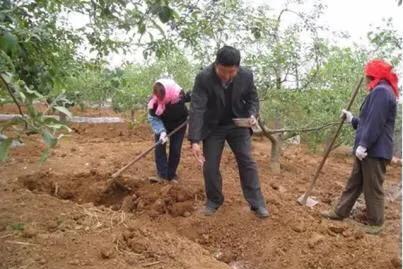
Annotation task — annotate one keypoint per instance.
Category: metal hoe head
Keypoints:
(308, 201)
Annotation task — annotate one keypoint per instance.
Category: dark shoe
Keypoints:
(208, 211)
(331, 214)
(173, 177)
(174, 180)
(373, 229)
(261, 212)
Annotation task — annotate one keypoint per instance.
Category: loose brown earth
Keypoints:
(58, 215)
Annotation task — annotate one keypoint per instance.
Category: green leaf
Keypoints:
(142, 28)
(4, 147)
(49, 139)
(45, 155)
(64, 111)
(17, 226)
(7, 76)
(13, 121)
(22, 96)
(58, 127)
(48, 120)
(33, 92)
(165, 14)
(62, 135)
(8, 42)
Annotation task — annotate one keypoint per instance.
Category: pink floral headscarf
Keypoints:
(172, 95)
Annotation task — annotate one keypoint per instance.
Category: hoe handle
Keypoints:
(121, 170)
(330, 146)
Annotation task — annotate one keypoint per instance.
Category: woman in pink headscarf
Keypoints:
(166, 111)
(373, 146)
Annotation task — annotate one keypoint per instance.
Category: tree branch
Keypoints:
(286, 75)
(310, 80)
(10, 92)
(269, 132)
(265, 131)
(289, 135)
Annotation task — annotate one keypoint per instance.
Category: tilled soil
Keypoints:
(62, 214)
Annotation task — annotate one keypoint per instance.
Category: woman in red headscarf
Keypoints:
(373, 147)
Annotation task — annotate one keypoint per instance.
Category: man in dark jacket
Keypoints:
(373, 146)
(223, 91)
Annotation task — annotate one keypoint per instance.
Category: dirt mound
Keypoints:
(159, 199)
(41, 231)
(139, 195)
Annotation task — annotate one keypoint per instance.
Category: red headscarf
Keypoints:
(381, 70)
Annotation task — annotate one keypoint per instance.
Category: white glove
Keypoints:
(163, 137)
(252, 121)
(361, 152)
(349, 116)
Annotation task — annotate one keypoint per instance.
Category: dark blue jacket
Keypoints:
(376, 123)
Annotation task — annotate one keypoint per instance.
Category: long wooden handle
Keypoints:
(116, 174)
(330, 146)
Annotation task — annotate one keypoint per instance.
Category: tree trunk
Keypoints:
(132, 116)
(62, 117)
(82, 106)
(296, 77)
(99, 108)
(278, 83)
(132, 119)
(276, 143)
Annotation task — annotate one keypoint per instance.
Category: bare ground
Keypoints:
(61, 215)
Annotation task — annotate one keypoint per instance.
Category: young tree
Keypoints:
(39, 49)
(286, 59)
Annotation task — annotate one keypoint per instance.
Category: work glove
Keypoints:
(252, 121)
(163, 137)
(361, 152)
(349, 116)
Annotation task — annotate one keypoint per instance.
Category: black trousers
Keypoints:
(367, 176)
(167, 165)
(239, 140)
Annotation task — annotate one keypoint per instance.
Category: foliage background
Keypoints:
(303, 80)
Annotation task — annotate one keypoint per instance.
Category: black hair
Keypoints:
(158, 89)
(228, 56)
